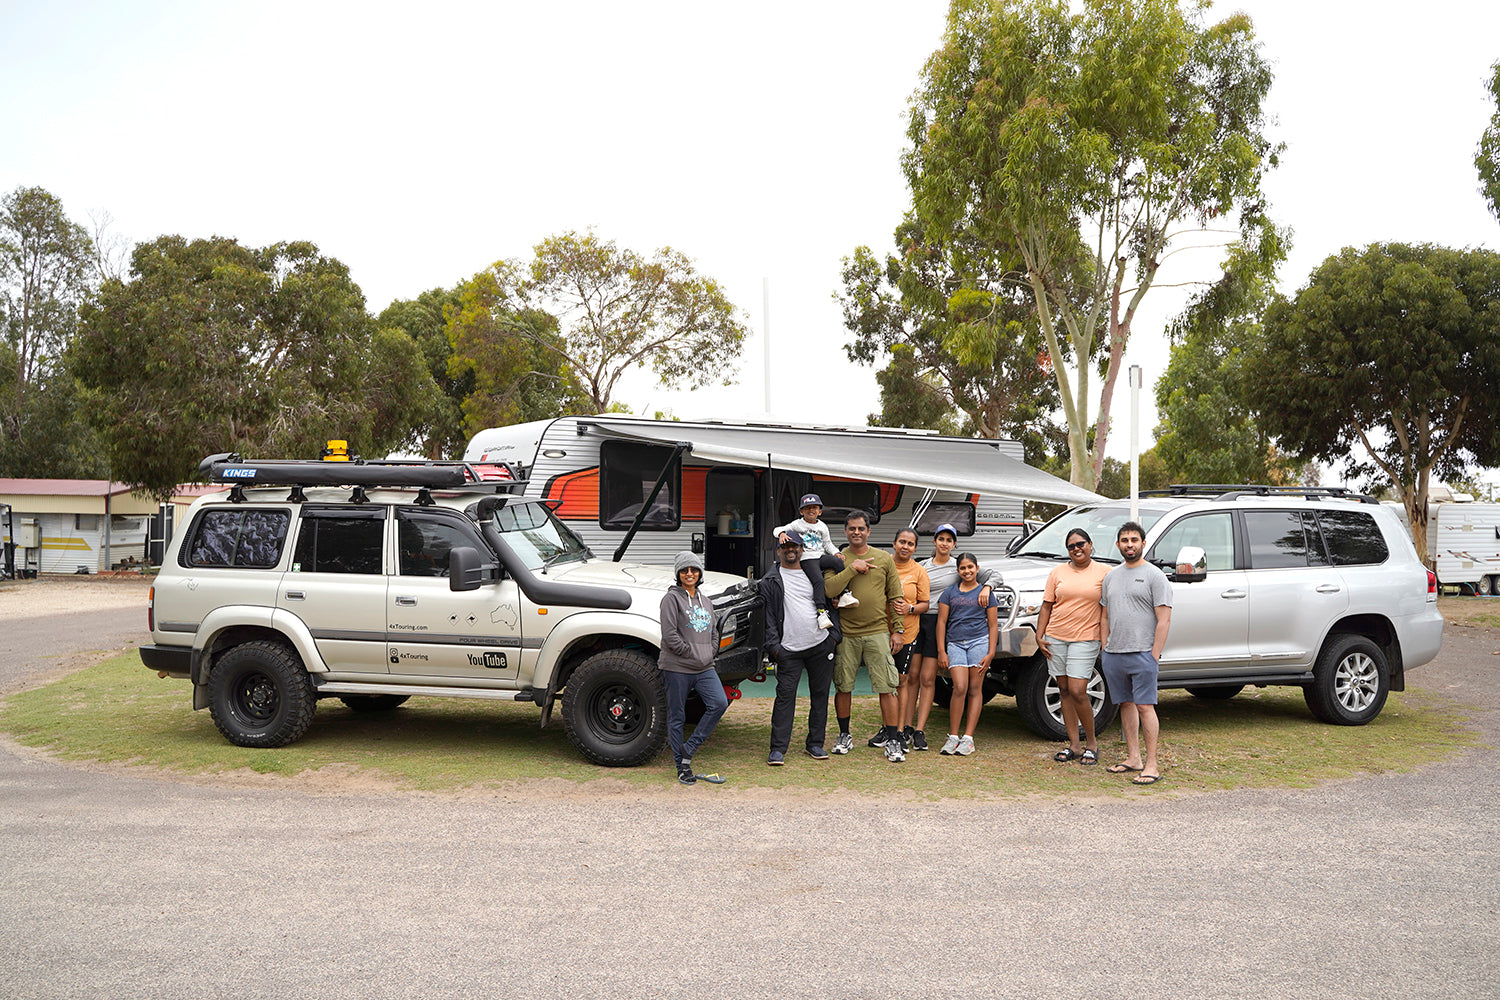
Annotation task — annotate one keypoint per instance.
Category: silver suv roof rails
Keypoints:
(1226, 493)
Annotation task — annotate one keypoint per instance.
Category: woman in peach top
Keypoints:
(1068, 631)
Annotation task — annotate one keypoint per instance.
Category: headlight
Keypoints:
(1030, 603)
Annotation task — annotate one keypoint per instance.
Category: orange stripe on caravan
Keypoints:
(576, 494)
(694, 492)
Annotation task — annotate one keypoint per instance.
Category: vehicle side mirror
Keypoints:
(1014, 544)
(466, 571)
(1191, 565)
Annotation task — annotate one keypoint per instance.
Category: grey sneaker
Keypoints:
(950, 746)
(893, 751)
(843, 744)
(965, 746)
(817, 753)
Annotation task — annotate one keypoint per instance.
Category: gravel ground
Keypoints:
(130, 884)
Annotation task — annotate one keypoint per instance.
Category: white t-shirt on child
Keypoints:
(815, 538)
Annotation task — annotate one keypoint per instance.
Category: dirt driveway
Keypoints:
(54, 625)
(123, 884)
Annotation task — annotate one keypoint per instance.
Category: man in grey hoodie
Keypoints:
(689, 640)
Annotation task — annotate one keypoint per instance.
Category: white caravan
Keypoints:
(655, 487)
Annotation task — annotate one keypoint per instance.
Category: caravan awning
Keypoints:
(965, 465)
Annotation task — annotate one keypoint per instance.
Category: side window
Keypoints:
(1316, 556)
(1277, 539)
(237, 537)
(340, 541)
(423, 542)
(1353, 538)
(1213, 533)
(842, 497)
(627, 472)
(960, 515)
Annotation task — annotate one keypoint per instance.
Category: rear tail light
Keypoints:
(151, 610)
(1431, 584)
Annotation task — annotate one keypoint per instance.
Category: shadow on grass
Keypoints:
(118, 712)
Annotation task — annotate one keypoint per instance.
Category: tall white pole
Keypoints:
(1135, 442)
(765, 319)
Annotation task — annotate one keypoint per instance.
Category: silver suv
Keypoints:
(1315, 587)
(376, 582)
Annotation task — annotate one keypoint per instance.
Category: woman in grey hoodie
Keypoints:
(689, 641)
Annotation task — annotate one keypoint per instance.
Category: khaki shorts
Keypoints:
(874, 651)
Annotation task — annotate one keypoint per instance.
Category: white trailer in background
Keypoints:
(1463, 541)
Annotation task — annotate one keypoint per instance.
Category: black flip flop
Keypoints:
(1146, 779)
(1122, 769)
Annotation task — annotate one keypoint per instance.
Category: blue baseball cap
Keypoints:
(945, 527)
(809, 500)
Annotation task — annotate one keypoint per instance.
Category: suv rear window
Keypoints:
(244, 538)
(1353, 538)
(1277, 539)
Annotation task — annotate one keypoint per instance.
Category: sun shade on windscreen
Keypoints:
(965, 466)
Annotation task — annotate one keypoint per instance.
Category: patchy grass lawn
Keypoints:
(118, 712)
(1482, 612)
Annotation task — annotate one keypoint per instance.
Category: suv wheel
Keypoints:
(374, 702)
(1040, 701)
(259, 695)
(615, 708)
(1350, 682)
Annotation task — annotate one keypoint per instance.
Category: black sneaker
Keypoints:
(880, 739)
(918, 740)
(685, 773)
(907, 738)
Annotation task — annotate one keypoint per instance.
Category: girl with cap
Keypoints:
(689, 640)
(942, 573)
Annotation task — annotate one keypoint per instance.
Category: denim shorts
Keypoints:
(1075, 657)
(1131, 677)
(968, 654)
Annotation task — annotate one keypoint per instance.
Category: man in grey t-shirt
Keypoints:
(796, 643)
(1137, 611)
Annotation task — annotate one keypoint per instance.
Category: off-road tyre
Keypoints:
(1216, 692)
(942, 690)
(374, 702)
(1040, 701)
(614, 708)
(1350, 682)
(260, 696)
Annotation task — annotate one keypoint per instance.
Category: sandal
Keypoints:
(1063, 756)
(712, 779)
(1090, 756)
(1146, 779)
(1122, 768)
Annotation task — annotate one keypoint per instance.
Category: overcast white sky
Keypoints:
(419, 143)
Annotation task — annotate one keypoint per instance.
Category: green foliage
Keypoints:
(1207, 398)
(212, 346)
(1114, 479)
(46, 262)
(1066, 149)
(425, 320)
(511, 363)
(1392, 348)
(958, 359)
(603, 311)
(1487, 157)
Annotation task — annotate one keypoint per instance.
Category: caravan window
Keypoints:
(842, 497)
(960, 515)
(627, 472)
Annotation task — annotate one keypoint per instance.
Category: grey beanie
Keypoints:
(686, 560)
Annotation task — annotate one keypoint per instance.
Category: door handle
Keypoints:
(296, 595)
(1329, 588)
(1233, 595)
(407, 602)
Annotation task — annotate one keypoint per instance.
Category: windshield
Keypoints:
(537, 538)
(1102, 522)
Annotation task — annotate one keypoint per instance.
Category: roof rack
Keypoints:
(1226, 493)
(232, 469)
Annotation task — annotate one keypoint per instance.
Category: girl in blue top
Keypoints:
(966, 636)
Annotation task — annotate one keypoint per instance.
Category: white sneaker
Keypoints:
(894, 751)
(950, 745)
(846, 600)
(824, 621)
(965, 746)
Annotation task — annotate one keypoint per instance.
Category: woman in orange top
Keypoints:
(913, 603)
(1068, 630)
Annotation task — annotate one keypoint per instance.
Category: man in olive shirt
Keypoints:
(872, 631)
